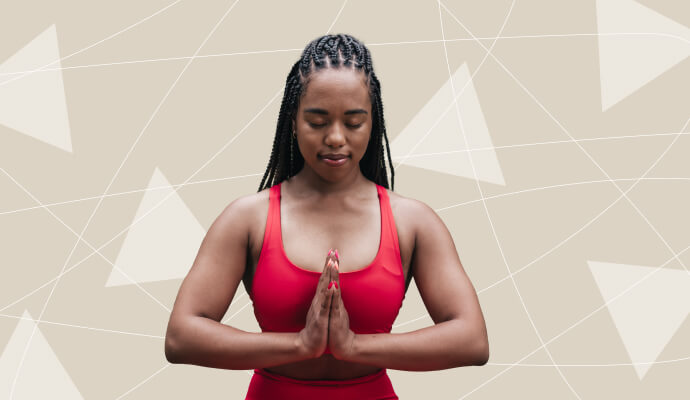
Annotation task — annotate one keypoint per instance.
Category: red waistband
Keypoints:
(322, 382)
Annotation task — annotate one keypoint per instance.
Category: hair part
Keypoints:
(328, 51)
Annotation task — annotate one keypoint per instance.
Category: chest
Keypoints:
(309, 231)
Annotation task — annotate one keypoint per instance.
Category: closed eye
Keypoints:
(322, 125)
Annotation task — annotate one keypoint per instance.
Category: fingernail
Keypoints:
(336, 254)
(330, 262)
(331, 284)
(330, 252)
(336, 265)
(336, 284)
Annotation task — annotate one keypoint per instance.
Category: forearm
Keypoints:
(205, 342)
(448, 344)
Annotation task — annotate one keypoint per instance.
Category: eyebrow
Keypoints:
(324, 112)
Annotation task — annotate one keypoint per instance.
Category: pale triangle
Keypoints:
(648, 315)
(42, 375)
(162, 245)
(447, 134)
(628, 61)
(35, 104)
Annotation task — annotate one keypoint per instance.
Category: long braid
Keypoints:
(328, 51)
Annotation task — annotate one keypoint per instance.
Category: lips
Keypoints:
(333, 156)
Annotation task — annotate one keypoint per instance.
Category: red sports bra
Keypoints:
(282, 291)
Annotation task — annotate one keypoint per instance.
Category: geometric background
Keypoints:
(552, 138)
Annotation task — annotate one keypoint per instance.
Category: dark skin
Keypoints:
(324, 207)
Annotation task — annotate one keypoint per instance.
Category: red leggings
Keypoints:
(265, 385)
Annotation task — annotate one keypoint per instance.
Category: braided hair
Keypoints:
(328, 51)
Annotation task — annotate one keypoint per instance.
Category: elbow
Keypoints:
(170, 353)
(482, 353)
(172, 346)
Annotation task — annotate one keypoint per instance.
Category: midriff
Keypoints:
(324, 367)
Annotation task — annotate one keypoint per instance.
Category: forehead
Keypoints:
(336, 87)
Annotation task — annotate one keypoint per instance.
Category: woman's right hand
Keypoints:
(314, 337)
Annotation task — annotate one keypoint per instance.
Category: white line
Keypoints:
(336, 17)
(25, 73)
(597, 365)
(576, 323)
(114, 63)
(560, 125)
(82, 327)
(147, 189)
(492, 148)
(481, 194)
(394, 158)
(439, 210)
(80, 238)
(143, 382)
(250, 373)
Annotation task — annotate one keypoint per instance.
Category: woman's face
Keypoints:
(334, 117)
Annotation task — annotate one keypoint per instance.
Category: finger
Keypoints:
(336, 301)
(324, 279)
(335, 273)
(326, 304)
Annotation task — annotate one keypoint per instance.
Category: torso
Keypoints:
(354, 226)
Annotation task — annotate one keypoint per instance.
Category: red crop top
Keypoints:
(282, 291)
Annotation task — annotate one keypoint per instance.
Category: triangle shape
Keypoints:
(439, 118)
(42, 375)
(164, 243)
(35, 104)
(628, 62)
(649, 314)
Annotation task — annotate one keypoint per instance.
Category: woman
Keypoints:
(326, 321)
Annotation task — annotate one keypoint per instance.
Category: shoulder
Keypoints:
(415, 211)
(243, 211)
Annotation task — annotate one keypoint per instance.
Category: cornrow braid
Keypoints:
(328, 51)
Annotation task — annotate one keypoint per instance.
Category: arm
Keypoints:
(195, 334)
(458, 336)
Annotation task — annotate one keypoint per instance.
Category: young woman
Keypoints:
(326, 252)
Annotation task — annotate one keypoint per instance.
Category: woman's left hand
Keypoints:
(340, 336)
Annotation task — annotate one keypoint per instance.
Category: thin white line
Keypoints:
(576, 323)
(214, 156)
(336, 17)
(368, 44)
(82, 327)
(169, 364)
(481, 194)
(642, 279)
(541, 105)
(597, 365)
(394, 158)
(439, 210)
(152, 60)
(490, 148)
(147, 189)
(153, 208)
(80, 238)
(23, 74)
(144, 381)
(238, 311)
(496, 196)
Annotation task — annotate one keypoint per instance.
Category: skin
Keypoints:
(324, 207)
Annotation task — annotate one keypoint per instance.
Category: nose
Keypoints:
(335, 136)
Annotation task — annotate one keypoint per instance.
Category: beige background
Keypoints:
(126, 127)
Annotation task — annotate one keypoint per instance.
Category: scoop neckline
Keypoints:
(297, 267)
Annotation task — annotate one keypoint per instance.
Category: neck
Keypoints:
(307, 182)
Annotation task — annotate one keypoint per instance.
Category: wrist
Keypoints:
(302, 350)
(351, 353)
